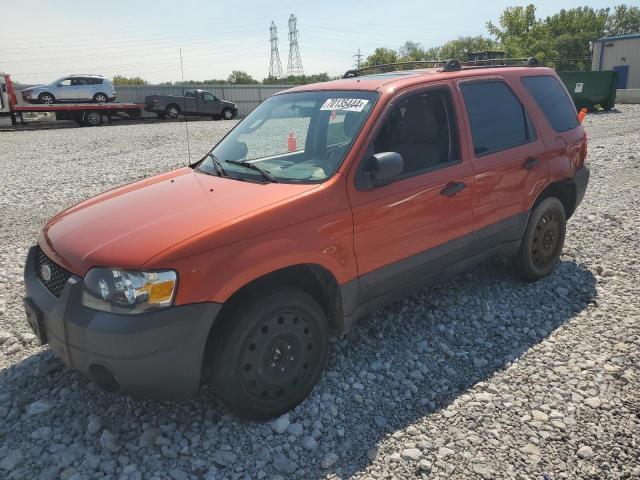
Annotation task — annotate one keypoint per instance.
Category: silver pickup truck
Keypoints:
(194, 102)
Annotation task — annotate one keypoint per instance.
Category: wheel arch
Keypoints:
(313, 279)
(563, 190)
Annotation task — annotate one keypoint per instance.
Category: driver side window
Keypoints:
(208, 96)
(65, 83)
(422, 129)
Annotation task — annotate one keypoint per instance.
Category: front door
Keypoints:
(208, 104)
(623, 75)
(65, 90)
(510, 164)
(413, 227)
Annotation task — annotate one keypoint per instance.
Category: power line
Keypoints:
(275, 67)
(294, 67)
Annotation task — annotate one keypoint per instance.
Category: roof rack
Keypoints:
(450, 65)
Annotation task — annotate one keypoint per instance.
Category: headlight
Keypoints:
(128, 291)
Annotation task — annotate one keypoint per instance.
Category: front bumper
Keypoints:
(151, 355)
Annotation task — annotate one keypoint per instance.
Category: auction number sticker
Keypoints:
(578, 88)
(346, 104)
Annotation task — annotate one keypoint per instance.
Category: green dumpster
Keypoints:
(589, 89)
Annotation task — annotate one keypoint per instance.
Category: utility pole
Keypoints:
(275, 67)
(357, 59)
(294, 68)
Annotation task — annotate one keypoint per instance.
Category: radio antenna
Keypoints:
(186, 122)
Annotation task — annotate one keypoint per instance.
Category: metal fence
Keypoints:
(246, 97)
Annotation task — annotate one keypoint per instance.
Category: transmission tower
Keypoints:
(357, 59)
(295, 63)
(275, 67)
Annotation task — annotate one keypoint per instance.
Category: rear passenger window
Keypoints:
(497, 118)
(95, 81)
(553, 101)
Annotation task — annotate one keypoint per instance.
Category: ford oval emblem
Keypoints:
(45, 271)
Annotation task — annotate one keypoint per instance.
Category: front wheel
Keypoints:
(270, 353)
(227, 114)
(543, 240)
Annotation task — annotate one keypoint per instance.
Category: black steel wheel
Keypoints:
(543, 240)
(227, 114)
(270, 353)
(93, 118)
(46, 98)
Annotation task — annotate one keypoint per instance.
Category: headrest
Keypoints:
(420, 123)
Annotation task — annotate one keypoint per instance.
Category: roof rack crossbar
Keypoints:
(447, 65)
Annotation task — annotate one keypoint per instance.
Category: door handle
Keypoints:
(452, 188)
(530, 162)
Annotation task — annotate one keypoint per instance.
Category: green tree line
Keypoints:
(561, 40)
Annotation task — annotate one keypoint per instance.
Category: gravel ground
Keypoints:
(482, 377)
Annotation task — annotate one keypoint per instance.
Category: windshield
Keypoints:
(295, 137)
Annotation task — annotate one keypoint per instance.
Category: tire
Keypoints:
(100, 98)
(227, 114)
(269, 353)
(46, 98)
(93, 118)
(172, 111)
(542, 241)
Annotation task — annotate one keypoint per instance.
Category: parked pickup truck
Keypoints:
(194, 102)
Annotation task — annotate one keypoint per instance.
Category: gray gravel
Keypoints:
(482, 377)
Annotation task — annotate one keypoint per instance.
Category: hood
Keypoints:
(128, 226)
(33, 87)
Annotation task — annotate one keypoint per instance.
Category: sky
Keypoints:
(42, 40)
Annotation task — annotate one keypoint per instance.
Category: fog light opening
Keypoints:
(103, 377)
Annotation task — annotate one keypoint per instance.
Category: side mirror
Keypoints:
(384, 167)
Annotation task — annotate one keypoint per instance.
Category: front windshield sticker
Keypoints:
(346, 104)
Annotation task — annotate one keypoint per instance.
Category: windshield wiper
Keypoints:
(253, 166)
(217, 165)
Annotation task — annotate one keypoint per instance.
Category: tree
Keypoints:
(624, 20)
(459, 48)
(241, 78)
(382, 55)
(121, 80)
(519, 32)
(411, 51)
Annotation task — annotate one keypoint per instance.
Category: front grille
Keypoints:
(58, 275)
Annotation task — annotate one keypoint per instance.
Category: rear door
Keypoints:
(508, 156)
(410, 229)
(190, 102)
(84, 89)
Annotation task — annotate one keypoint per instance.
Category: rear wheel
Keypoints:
(543, 240)
(270, 353)
(227, 114)
(46, 98)
(172, 111)
(100, 98)
(93, 119)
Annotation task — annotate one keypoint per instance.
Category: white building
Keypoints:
(621, 54)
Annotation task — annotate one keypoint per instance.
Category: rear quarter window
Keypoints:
(95, 81)
(553, 101)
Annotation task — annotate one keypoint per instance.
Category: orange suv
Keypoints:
(325, 203)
